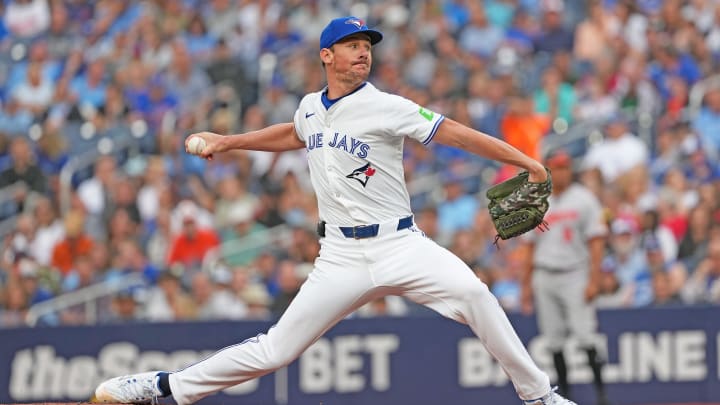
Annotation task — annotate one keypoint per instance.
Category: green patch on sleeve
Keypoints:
(427, 114)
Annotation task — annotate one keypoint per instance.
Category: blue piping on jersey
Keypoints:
(329, 102)
(434, 130)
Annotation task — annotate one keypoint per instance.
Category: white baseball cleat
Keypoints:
(552, 398)
(130, 389)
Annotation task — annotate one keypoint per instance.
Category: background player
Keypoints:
(563, 270)
(354, 138)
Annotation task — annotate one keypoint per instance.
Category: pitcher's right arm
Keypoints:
(275, 138)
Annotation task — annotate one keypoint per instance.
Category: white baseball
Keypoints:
(196, 145)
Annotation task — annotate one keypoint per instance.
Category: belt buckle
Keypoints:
(355, 228)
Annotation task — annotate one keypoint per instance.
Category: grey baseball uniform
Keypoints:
(561, 261)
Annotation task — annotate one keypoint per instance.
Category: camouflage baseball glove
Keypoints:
(517, 205)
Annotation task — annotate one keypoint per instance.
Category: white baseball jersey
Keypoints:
(355, 150)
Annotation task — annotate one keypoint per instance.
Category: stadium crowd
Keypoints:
(122, 83)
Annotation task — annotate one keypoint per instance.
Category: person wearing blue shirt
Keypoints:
(90, 87)
(458, 207)
(281, 40)
(707, 123)
(669, 63)
(13, 119)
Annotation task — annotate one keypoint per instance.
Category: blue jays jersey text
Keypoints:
(343, 142)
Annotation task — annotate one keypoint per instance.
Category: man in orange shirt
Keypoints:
(75, 243)
(192, 243)
(522, 128)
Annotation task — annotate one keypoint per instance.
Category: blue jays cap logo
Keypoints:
(356, 22)
(362, 174)
(340, 28)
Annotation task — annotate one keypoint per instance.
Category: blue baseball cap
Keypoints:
(342, 27)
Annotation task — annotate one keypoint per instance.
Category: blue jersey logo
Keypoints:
(345, 143)
(362, 174)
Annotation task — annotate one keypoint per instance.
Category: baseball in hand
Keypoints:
(196, 145)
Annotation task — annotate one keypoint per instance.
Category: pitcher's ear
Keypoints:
(326, 55)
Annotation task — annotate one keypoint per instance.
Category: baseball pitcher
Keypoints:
(370, 246)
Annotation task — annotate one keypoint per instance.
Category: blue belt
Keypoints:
(366, 231)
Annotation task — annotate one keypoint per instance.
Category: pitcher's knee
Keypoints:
(280, 358)
(476, 290)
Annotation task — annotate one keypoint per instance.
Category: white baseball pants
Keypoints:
(348, 274)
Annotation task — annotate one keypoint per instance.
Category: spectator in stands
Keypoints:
(707, 122)
(27, 18)
(220, 17)
(89, 88)
(704, 284)
(75, 243)
(675, 185)
(199, 41)
(52, 155)
(29, 276)
(610, 293)
(555, 98)
(124, 308)
(594, 103)
(419, 64)
(96, 192)
(14, 120)
(130, 259)
(213, 299)
(13, 305)
(619, 152)
(663, 294)
(82, 274)
(304, 246)
(189, 83)
(159, 239)
(667, 153)
(593, 36)
(35, 93)
(168, 301)
(522, 127)
(655, 262)
(693, 245)
(233, 194)
(60, 38)
(288, 281)
(240, 218)
(224, 68)
(652, 228)
(189, 247)
(634, 90)
(629, 264)
(553, 35)
(258, 301)
(479, 36)
(457, 208)
(49, 231)
(155, 180)
(23, 169)
(280, 39)
(277, 104)
(668, 63)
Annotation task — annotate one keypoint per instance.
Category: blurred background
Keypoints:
(104, 218)
(98, 97)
